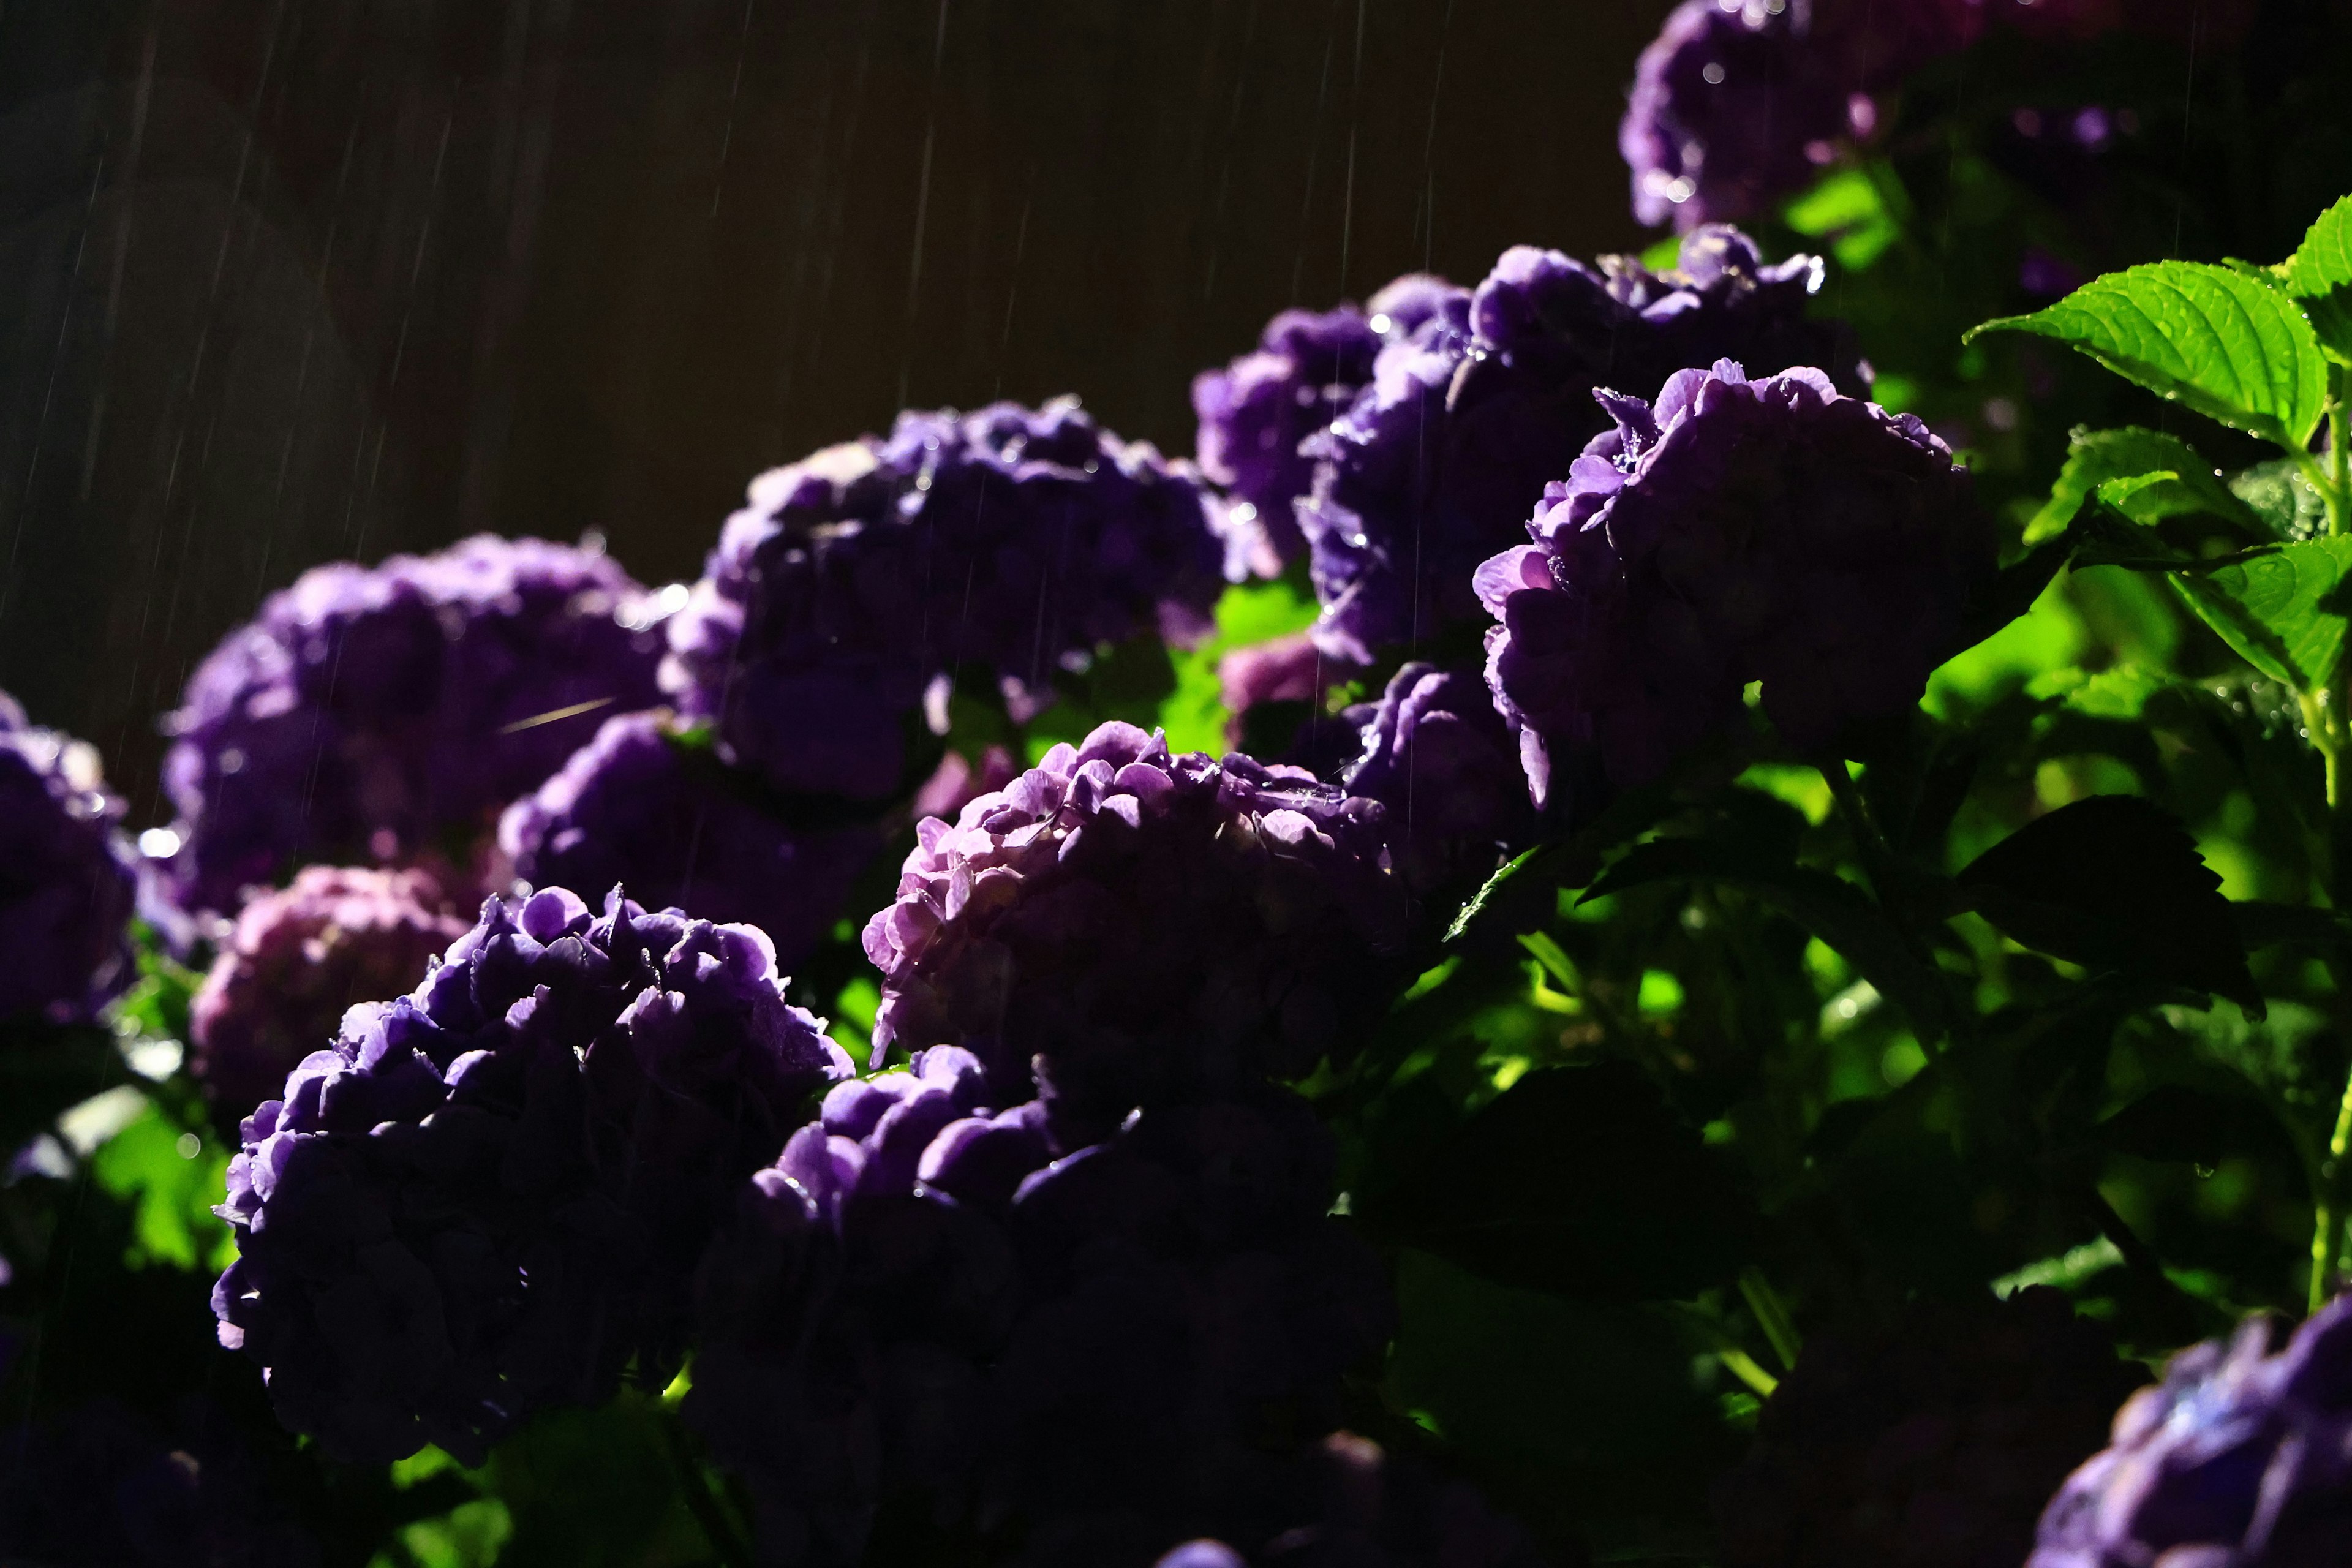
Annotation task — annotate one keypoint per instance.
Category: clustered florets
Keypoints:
(1008, 542)
(646, 809)
(1469, 415)
(1138, 925)
(66, 882)
(1436, 754)
(2241, 1457)
(368, 713)
(1931, 1444)
(297, 960)
(489, 1194)
(1073, 1342)
(1736, 531)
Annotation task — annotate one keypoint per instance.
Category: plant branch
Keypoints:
(726, 1542)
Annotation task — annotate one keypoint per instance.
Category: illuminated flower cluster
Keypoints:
(488, 1195)
(66, 882)
(1489, 398)
(1009, 542)
(1138, 925)
(370, 712)
(1737, 531)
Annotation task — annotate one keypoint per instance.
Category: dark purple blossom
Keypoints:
(640, 808)
(1739, 531)
(100, 1487)
(1489, 398)
(1138, 924)
(488, 1195)
(1931, 1444)
(1438, 755)
(67, 877)
(1009, 541)
(368, 713)
(297, 960)
(928, 1297)
(2241, 1457)
(1732, 107)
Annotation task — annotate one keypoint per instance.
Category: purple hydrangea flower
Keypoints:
(929, 1296)
(2241, 1457)
(672, 826)
(1139, 924)
(1308, 368)
(1438, 755)
(1765, 530)
(297, 960)
(100, 1486)
(1009, 540)
(488, 1195)
(368, 712)
(67, 880)
(1732, 107)
(1489, 398)
(1931, 1445)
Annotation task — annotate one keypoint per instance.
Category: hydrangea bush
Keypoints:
(1057, 1009)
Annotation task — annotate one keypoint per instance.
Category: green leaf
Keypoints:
(2281, 611)
(1193, 713)
(2146, 475)
(1835, 910)
(172, 1176)
(2116, 884)
(2281, 495)
(2206, 336)
(2319, 277)
(1493, 885)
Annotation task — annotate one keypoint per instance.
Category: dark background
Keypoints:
(294, 280)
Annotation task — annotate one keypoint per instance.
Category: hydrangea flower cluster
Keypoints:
(1737, 103)
(67, 879)
(1008, 540)
(1469, 415)
(100, 1486)
(1438, 755)
(2241, 1456)
(367, 711)
(489, 1194)
(1308, 368)
(297, 960)
(1737, 531)
(1139, 925)
(642, 808)
(1933, 1444)
(1078, 1342)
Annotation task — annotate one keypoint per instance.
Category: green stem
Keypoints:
(2324, 1221)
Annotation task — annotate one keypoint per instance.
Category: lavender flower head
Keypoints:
(1489, 398)
(929, 1296)
(297, 960)
(642, 808)
(2241, 1457)
(1732, 107)
(1308, 368)
(1435, 753)
(66, 878)
(488, 1195)
(367, 711)
(1739, 530)
(1008, 540)
(1139, 925)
